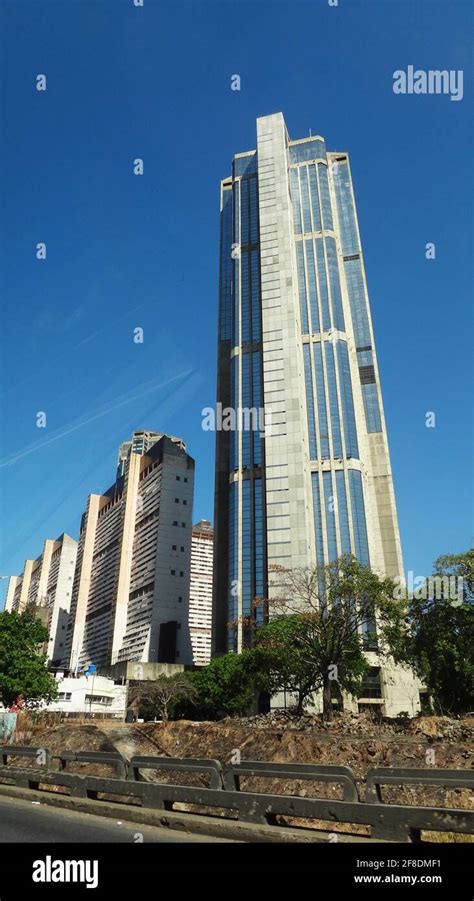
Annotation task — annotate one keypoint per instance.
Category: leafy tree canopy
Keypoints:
(22, 662)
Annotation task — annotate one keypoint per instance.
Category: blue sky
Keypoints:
(126, 251)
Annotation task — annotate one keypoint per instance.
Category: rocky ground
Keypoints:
(350, 740)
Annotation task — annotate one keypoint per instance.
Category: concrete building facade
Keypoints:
(46, 583)
(296, 338)
(200, 592)
(131, 588)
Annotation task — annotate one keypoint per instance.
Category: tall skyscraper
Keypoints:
(131, 587)
(295, 337)
(200, 592)
(46, 583)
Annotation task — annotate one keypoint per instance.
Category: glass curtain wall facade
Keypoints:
(295, 337)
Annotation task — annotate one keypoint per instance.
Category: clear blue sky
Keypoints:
(126, 251)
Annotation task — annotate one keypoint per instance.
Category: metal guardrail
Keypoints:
(339, 774)
(387, 821)
(179, 764)
(408, 776)
(42, 756)
(111, 758)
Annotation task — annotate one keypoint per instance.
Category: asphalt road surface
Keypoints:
(22, 821)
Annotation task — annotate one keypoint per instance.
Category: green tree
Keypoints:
(440, 640)
(22, 661)
(224, 687)
(323, 618)
(294, 654)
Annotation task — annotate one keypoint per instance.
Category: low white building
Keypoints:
(89, 695)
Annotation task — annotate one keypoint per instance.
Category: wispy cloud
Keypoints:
(143, 390)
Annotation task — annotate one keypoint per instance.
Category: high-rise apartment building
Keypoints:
(296, 338)
(140, 443)
(200, 592)
(131, 587)
(46, 583)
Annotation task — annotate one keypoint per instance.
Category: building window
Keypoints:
(371, 683)
(183, 525)
(173, 547)
(185, 502)
(179, 600)
(185, 479)
(175, 522)
(182, 548)
(173, 572)
(181, 573)
(176, 500)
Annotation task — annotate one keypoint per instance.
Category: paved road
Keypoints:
(22, 821)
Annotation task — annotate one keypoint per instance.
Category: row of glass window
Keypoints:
(250, 295)
(307, 150)
(244, 165)
(341, 409)
(357, 302)
(336, 505)
(319, 286)
(371, 407)
(345, 209)
(252, 399)
(225, 309)
(252, 550)
(309, 188)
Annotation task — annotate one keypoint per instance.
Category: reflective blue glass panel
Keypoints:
(302, 287)
(310, 402)
(313, 186)
(305, 199)
(358, 302)
(348, 415)
(225, 310)
(333, 401)
(318, 525)
(358, 517)
(324, 193)
(246, 548)
(345, 209)
(344, 530)
(371, 407)
(246, 402)
(295, 199)
(311, 269)
(308, 150)
(255, 285)
(322, 284)
(245, 165)
(329, 505)
(321, 397)
(336, 297)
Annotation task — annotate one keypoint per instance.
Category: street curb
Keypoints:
(176, 820)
